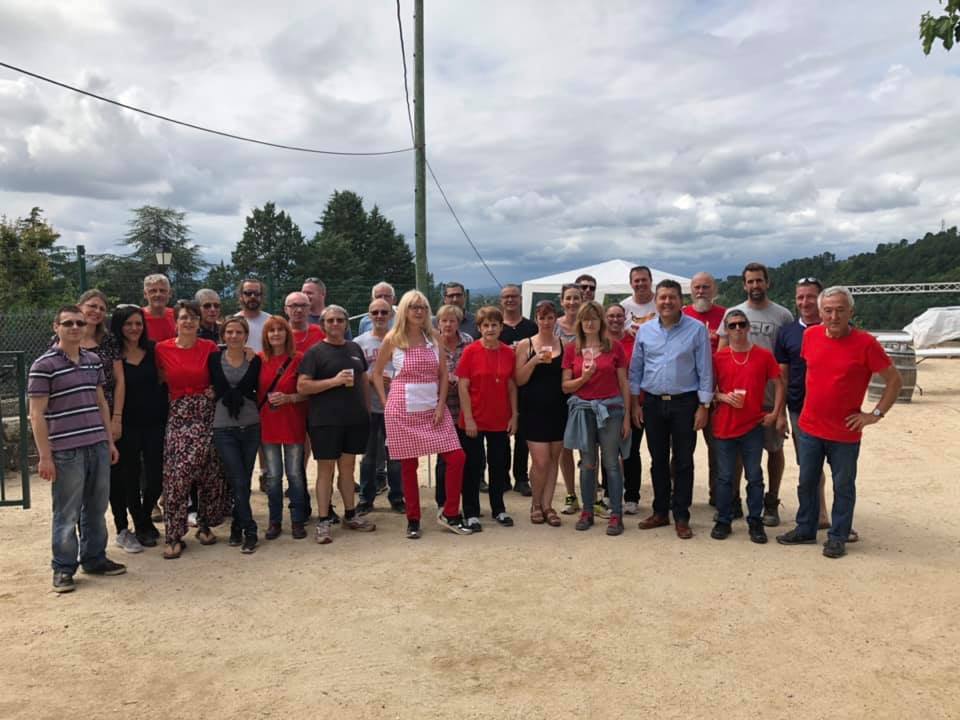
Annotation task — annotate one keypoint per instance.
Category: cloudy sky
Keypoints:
(687, 134)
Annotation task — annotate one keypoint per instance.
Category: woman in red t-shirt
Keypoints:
(188, 453)
(283, 426)
(595, 376)
(741, 371)
(488, 413)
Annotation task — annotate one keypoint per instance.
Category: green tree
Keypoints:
(30, 263)
(945, 28)
(222, 278)
(273, 249)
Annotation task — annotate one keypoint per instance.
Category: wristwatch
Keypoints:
(705, 406)
(876, 413)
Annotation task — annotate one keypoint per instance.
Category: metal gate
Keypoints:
(14, 450)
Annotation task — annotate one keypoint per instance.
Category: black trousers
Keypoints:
(139, 447)
(669, 428)
(632, 467)
(498, 463)
(440, 491)
(521, 460)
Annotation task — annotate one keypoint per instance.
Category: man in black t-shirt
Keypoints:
(516, 328)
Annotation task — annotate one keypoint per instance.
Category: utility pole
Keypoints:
(419, 141)
(82, 267)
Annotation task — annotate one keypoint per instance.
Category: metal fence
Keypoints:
(14, 450)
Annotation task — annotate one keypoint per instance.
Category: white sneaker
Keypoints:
(192, 519)
(128, 542)
(631, 508)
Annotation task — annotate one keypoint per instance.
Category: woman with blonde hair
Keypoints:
(570, 298)
(415, 413)
(595, 376)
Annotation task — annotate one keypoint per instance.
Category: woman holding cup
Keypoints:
(565, 329)
(595, 375)
(741, 370)
(543, 409)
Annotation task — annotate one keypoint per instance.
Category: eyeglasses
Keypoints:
(379, 313)
(73, 323)
(334, 320)
(252, 293)
(587, 287)
(419, 308)
(210, 306)
(738, 325)
(298, 306)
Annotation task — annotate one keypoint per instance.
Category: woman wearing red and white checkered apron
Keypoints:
(415, 412)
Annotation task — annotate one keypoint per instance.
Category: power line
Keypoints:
(406, 91)
(197, 127)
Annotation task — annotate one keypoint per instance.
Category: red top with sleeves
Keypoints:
(758, 366)
(604, 383)
(489, 373)
(303, 340)
(285, 424)
(712, 318)
(838, 372)
(160, 328)
(185, 369)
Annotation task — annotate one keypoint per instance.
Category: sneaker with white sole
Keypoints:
(358, 523)
(192, 519)
(631, 508)
(323, 535)
(63, 582)
(571, 506)
(474, 524)
(504, 520)
(127, 541)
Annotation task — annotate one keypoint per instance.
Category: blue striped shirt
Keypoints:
(73, 412)
(670, 361)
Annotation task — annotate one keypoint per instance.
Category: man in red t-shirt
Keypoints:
(160, 322)
(741, 371)
(616, 319)
(305, 333)
(703, 289)
(840, 360)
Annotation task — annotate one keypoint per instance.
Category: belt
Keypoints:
(679, 396)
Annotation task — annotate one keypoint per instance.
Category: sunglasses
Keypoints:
(738, 325)
(252, 293)
(210, 306)
(334, 320)
(586, 287)
(808, 281)
(379, 313)
(73, 323)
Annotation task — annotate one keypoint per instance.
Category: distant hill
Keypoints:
(932, 258)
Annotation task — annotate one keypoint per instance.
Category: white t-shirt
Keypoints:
(255, 341)
(637, 313)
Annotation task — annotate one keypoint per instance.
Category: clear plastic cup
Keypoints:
(349, 377)
(546, 353)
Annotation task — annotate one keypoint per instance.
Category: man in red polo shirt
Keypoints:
(160, 323)
(840, 360)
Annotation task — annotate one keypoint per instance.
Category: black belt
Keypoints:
(680, 396)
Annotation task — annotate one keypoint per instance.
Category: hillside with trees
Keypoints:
(933, 258)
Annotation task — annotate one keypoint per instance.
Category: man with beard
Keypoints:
(640, 307)
(704, 289)
(766, 318)
(251, 295)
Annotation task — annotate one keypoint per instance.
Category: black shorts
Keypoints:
(329, 442)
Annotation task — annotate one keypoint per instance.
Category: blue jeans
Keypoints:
(608, 440)
(238, 451)
(373, 458)
(843, 466)
(750, 448)
(276, 457)
(80, 494)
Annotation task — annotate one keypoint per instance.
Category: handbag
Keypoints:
(276, 378)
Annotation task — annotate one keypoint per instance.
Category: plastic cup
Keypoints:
(588, 356)
(349, 377)
(546, 353)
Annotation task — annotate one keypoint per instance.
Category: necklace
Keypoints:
(496, 369)
(733, 356)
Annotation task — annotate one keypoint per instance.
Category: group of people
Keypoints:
(177, 402)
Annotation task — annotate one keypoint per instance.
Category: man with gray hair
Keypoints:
(840, 361)
(159, 317)
(381, 291)
(209, 302)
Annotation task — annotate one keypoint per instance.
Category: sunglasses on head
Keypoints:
(808, 281)
(738, 325)
(73, 323)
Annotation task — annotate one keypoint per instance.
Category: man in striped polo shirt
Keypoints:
(69, 415)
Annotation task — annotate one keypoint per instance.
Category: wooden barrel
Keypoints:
(904, 359)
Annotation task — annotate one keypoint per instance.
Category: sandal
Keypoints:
(205, 536)
(536, 516)
(551, 517)
(172, 552)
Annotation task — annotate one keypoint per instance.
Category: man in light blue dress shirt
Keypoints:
(671, 380)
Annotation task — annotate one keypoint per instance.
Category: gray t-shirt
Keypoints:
(764, 326)
(249, 415)
(370, 344)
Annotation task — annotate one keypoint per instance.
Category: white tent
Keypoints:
(613, 278)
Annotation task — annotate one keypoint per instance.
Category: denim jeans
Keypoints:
(843, 466)
(80, 494)
(376, 452)
(607, 440)
(238, 451)
(750, 448)
(276, 457)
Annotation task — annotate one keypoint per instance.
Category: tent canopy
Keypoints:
(613, 278)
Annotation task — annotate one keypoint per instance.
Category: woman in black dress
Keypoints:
(543, 409)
